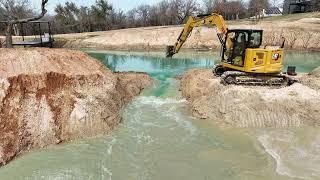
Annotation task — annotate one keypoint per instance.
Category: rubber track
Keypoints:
(254, 80)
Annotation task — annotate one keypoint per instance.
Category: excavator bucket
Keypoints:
(169, 51)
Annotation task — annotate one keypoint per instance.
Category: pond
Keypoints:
(159, 139)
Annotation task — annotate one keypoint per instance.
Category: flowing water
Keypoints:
(159, 139)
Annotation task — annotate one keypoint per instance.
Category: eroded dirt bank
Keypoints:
(49, 96)
(297, 105)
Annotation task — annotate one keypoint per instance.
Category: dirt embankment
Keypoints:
(239, 106)
(312, 79)
(49, 96)
(302, 32)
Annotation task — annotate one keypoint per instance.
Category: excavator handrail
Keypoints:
(201, 20)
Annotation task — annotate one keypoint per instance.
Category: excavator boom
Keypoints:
(214, 20)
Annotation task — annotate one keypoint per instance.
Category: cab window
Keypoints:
(231, 38)
(255, 40)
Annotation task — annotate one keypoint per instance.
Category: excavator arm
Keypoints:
(213, 19)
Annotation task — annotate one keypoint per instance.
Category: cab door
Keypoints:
(239, 48)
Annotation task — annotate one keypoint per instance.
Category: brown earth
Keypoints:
(302, 32)
(239, 106)
(49, 96)
(312, 79)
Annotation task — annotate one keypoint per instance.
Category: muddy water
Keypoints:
(159, 139)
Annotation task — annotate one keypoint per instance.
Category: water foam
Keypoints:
(143, 138)
(112, 142)
(108, 171)
(179, 118)
(157, 101)
(296, 156)
(275, 154)
(166, 111)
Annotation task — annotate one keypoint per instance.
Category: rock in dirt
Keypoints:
(244, 106)
(49, 96)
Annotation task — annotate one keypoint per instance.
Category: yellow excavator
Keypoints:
(243, 60)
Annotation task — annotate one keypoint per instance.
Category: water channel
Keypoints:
(159, 139)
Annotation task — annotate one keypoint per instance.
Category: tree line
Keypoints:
(102, 16)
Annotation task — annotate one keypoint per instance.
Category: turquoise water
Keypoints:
(159, 139)
(304, 61)
(151, 62)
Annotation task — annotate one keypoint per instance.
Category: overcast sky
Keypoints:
(118, 4)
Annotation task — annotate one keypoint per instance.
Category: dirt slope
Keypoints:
(297, 105)
(48, 96)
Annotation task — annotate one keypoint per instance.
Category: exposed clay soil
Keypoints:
(49, 96)
(239, 106)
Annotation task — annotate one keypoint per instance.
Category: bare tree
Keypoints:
(228, 9)
(143, 12)
(184, 8)
(16, 8)
(164, 12)
(118, 19)
(131, 17)
(101, 12)
(256, 7)
(67, 17)
(11, 16)
(234, 9)
(209, 5)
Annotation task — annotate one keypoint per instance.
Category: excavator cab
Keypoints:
(239, 39)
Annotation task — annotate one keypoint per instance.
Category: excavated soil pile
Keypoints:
(239, 106)
(48, 96)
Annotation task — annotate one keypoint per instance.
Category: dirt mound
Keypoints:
(14, 62)
(297, 105)
(50, 96)
(315, 73)
(312, 79)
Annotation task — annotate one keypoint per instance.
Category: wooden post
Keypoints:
(22, 32)
(40, 32)
(50, 35)
(9, 29)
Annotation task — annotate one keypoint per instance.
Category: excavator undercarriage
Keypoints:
(231, 77)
